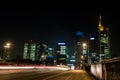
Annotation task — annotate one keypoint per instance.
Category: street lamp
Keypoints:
(84, 49)
(84, 45)
(7, 45)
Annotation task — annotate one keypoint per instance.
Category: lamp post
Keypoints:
(6, 54)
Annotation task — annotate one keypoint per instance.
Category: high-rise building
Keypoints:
(42, 51)
(29, 51)
(104, 41)
(50, 56)
(78, 55)
(36, 52)
(62, 54)
(7, 51)
(93, 49)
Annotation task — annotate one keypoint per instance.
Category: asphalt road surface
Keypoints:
(46, 75)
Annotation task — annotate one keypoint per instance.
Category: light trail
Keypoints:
(33, 67)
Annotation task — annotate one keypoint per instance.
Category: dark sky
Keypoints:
(56, 23)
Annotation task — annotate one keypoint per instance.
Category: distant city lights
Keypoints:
(61, 43)
(50, 49)
(92, 38)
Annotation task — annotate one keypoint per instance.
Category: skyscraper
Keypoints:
(29, 51)
(93, 49)
(104, 41)
(79, 53)
(62, 54)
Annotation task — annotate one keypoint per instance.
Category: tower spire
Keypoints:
(101, 28)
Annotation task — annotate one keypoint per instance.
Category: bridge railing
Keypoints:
(109, 69)
(96, 70)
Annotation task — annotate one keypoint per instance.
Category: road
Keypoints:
(46, 75)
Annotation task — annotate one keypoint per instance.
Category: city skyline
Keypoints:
(56, 24)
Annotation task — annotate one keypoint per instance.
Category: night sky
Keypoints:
(56, 23)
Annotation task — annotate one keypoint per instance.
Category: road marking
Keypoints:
(68, 78)
(54, 75)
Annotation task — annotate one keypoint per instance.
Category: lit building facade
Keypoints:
(35, 51)
(42, 52)
(84, 55)
(62, 54)
(104, 41)
(82, 51)
(29, 51)
(93, 55)
(50, 56)
(72, 60)
(79, 50)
